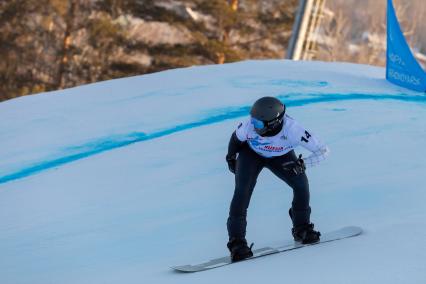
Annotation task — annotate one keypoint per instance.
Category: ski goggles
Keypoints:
(257, 124)
(263, 126)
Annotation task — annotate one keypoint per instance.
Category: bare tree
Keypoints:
(66, 41)
(355, 31)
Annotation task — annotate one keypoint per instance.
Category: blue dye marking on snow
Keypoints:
(249, 82)
(164, 93)
(221, 115)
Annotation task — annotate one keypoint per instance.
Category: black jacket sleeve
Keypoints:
(234, 145)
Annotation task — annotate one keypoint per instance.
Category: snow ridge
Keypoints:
(98, 146)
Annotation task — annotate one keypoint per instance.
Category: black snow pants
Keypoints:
(249, 166)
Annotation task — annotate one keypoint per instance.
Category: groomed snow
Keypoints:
(115, 182)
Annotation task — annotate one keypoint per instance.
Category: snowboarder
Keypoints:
(267, 139)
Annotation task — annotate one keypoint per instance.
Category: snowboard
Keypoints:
(343, 233)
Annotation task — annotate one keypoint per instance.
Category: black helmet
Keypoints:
(267, 115)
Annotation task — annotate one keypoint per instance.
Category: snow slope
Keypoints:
(116, 181)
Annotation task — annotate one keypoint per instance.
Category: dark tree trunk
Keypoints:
(66, 43)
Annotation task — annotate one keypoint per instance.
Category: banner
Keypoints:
(402, 67)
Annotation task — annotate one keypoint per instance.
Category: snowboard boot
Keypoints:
(239, 249)
(306, 234)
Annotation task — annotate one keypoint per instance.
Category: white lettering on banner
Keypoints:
(395, 58)
(411, 79)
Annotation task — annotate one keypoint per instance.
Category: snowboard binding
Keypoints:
(239, 249)
(306, 234)
(303, 233)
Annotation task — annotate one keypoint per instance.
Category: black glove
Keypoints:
(232, 162)
(297, 167)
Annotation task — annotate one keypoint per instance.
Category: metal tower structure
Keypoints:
(303, 39)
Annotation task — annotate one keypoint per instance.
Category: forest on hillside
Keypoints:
(54, 44)
(48, 45)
